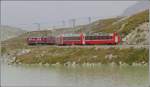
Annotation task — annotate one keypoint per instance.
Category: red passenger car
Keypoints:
(69, 39)
(89, 39)
(113, 38)
(41, 40)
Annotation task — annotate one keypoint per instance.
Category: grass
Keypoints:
(130, 23)
(53, 55)
(135, 20)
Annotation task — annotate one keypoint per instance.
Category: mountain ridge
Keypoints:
(8, 32)
(138, 7)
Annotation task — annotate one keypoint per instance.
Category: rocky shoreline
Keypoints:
(10, 61)
(74, 56)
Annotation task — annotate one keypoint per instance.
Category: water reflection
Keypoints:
(77, 76)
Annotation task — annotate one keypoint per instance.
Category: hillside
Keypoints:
(139, 36)
(119, 24)
(125, 25)
(20, 41)
(140, 6)
(135, 28)
(99, 24)
(8, 32)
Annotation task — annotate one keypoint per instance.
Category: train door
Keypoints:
(82, 38)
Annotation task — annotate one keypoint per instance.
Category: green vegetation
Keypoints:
(132, 55)
(3, 50)
(53, 55)
(135, 20)
(130, 23)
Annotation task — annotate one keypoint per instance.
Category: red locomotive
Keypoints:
(77, 39)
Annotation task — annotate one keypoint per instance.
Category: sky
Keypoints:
(25, 14)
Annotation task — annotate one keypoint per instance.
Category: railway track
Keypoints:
(105, 46)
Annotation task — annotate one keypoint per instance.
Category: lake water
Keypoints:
(77, 76)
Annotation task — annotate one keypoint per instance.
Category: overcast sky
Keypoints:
(25, 13)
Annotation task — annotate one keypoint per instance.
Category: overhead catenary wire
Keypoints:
(72, 22)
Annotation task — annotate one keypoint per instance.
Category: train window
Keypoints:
(71, 38)
(88, 37)
(97, 37)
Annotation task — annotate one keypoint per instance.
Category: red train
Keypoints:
(77, 39)
(41, 40)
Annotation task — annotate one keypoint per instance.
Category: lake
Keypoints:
(74, 76)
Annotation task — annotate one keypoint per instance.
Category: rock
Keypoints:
(96, 48)
(120, 63)
(94, 56)
(43, 52)
(124, 64)
(74, 64)
(14, 58)
(57, 63)
(139, 35)
(67, 63)
(23, 51)
(109, 56)
(143, 62)
(46, 64)
(40, 63)
(19, 63)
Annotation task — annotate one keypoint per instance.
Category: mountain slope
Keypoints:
(128, 24)
(88, 28)
(139, 36)
(140, 6)
(8, 32)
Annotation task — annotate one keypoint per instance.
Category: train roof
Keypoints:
(88, 34)
(40, 36)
